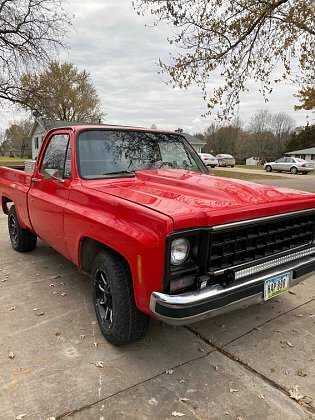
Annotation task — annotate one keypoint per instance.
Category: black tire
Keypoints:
(268, 168)
(119, 319)
(293, 170)
(22, 240)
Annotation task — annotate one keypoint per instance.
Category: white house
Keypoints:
(306, 154)
(196, 143)
(39, 129)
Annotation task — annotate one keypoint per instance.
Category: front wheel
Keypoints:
(268, 168)
(22, 240)
(119, 319)
(294, 170)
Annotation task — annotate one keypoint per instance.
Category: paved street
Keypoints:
(244, 365)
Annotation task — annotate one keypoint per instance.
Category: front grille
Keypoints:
(244, 243)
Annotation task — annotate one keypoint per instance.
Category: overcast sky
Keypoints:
(113, 44)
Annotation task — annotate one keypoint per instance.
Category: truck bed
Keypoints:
(14, 186)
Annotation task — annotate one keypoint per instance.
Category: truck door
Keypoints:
(50, 191)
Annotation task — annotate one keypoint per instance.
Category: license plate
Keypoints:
(276, 285)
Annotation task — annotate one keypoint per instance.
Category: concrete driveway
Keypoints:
(258, 363)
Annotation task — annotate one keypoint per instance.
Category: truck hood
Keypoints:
(193, 199)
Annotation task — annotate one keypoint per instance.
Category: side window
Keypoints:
(57, 158)
(67, 168)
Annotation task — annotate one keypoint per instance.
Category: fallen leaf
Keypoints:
(202, 350)
(51, 285)
(291, 293)
(169, 372)
(295, 394)
(95, 344)
(182, 381)
(58, 333)
(190, 391)
(177, 414)
(216, 367)
(39, 313)
(3, 280)
(233, 390)
(57, 276)
(11, 355)
(261, 397)
(289, 344)
(240, 418)
(99, 364)
(184, 399)
(36, 309)
(307, 400)
(301, 372)
(20, 416)
(299, 315)
(153, 401)
(51, 418)
(12, 308)
(63, 294)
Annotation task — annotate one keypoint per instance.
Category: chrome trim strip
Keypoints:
(196, 297)
(257, 262)
(262, 219)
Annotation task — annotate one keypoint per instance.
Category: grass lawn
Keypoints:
(249, 167)
(7, 161)
(243, 176)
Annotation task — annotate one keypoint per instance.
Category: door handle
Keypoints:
(36, 180)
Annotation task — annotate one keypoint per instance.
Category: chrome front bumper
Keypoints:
(190, 307)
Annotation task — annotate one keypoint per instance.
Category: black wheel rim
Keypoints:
(103, 299)
(13, 229)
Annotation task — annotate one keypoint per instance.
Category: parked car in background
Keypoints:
(209, 160)
(288, 164)
(226, 160)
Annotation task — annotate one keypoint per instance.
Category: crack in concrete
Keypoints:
(307, 408)
(87, 406)
(220, 350)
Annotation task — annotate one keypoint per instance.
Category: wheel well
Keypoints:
(4, 202)
(89, 248)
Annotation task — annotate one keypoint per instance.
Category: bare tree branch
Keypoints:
(242, 40)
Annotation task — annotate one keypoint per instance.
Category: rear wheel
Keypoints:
(22, 240)
(294, 170)
(268, 168)
(119, 319)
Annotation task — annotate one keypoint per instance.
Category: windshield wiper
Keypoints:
(125, 172)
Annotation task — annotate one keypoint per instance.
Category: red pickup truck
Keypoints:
(159, 236)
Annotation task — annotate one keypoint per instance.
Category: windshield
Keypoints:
(119, 153)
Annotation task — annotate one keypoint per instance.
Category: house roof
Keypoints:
(309, 151)
(193, 140)
(50, 124)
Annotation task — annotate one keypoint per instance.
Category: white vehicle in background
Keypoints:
(208, 159)
(226, 160)
(289, 164)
